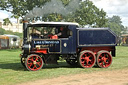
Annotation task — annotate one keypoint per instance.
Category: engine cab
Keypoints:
(50, 37)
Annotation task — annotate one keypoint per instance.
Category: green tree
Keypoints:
(7, 21)
(115, 24)
(16, 17)
(19, 8)
(125, 31)
(89, 14)
(53, 17)
(2, 31)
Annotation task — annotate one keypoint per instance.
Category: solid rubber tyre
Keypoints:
(34, 62)
(23, 61)
(104, 59)
(86, 59)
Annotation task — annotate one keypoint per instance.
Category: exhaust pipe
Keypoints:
(26, 45)
(25, 24)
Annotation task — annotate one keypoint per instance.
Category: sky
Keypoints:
(111, 7)
(114, 7)
(5, 14)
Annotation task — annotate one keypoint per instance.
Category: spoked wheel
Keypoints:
(86, 59)
(23, 61)
(104, 59)
(34, 62)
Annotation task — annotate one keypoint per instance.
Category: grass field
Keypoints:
(12, 72)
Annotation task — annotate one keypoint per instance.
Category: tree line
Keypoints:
(3, 31)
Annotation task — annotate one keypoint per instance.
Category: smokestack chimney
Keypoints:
(25, 23)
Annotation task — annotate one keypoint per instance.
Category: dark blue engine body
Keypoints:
(87, 37)
(79, 38)
(95, 37)
(69, 45)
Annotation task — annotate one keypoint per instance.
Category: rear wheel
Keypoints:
(86, 59)
(34, 62)
(104, 59)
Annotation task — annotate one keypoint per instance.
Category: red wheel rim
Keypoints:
(34, 62)
(87, 59)
(104, 59)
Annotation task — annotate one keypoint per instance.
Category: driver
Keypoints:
(62, 33)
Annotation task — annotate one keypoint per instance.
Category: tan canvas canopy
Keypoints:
(4, 37)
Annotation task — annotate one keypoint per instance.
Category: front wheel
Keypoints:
(34, 62)
(23, 61)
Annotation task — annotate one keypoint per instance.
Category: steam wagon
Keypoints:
(45, 42)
